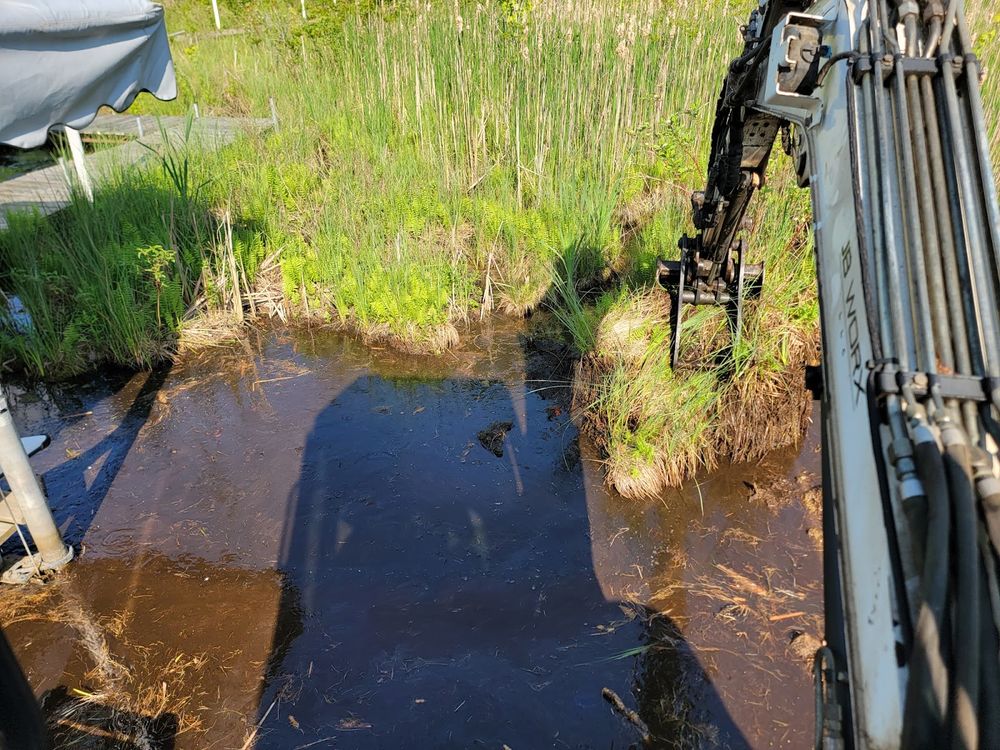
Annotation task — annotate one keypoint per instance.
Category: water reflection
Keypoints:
(80, 479)
(451, 598)
(429, 593)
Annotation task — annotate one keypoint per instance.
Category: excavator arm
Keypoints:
(879, 105)
(711, 269)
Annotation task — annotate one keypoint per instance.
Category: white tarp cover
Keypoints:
(61, 60)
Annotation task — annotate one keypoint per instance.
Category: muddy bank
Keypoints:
(312, 544)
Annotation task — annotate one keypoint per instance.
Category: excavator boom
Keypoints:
(879, 105)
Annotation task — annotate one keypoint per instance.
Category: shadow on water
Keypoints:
(78, 482)
(435, 595)
(312, 537)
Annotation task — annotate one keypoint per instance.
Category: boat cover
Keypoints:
(62, 60)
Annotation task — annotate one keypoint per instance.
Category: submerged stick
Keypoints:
(628, 714)
(786, 616)
(252, 737)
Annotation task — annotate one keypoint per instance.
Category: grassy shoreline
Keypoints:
(436, 164)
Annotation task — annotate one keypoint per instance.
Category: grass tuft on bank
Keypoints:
(120, 281)
(659, 426)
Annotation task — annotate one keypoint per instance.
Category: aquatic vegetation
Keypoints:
(114, 281)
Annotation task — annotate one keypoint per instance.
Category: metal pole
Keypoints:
(215, 10)
(76, 151)
(28, 493)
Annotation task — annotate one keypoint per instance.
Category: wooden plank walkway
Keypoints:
(47, 190)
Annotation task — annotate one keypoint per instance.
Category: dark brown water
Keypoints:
(310, 539)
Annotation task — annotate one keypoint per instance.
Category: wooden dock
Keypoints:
(47, 190)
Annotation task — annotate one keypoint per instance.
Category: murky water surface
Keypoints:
(309, 541)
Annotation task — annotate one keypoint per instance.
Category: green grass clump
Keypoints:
(112, 282)
(96, 280)
(437, 163)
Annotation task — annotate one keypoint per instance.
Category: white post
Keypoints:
(303, 10)
(62, 165)
(274, 112)
(215, 10)
(138, 127)
(197, 114)
(28, 493)
(76, 151)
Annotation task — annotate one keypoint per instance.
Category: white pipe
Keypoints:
(76, 151)
(215, 10)
(28, 493)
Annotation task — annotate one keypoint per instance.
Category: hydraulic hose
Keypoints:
(914, 245)
(932, 268)
(985, 289)
(960, 255)
(946, 244)
(934, 38)
(873, 210)
(989, 695)
(927, 689)
(916, 510)
(889, 195)
(965, 695)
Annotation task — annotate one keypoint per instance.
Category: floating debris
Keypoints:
(628, 714)
(493, 436)
(17, 314)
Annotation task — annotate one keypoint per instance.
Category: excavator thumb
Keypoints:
(689, 281)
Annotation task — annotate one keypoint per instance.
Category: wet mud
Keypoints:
(310, 544)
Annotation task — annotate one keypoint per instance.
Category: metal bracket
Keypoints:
(912, 66)
(861, 67)
(677, 315)
(969, 58)
(890, 381)
(799, 38)
(28, 567)
(670, 275)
